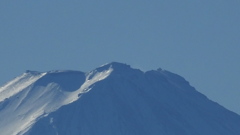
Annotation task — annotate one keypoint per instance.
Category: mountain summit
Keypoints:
(113, 99)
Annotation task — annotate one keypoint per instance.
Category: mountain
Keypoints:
(113, 99)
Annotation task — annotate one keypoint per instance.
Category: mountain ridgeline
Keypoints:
(113, 99)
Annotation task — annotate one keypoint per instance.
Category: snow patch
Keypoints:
(91, 78)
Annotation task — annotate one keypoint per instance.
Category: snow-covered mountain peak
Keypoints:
(35, 94)
(111, 99)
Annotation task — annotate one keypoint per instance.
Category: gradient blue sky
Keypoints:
(197, 39)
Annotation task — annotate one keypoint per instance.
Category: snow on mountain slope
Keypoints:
(113, 99)
(18, 84)
(34, 95)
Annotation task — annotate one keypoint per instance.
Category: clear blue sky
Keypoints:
(197, 39)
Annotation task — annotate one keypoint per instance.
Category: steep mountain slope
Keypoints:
(113, 99)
